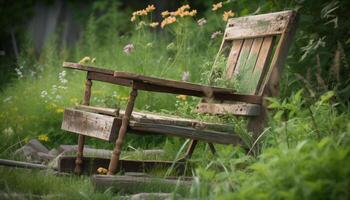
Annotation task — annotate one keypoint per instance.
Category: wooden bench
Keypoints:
(256, 48)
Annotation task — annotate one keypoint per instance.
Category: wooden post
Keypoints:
(113, 165)
(81, 138)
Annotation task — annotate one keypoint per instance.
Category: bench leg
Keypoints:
(81, 138)
(113, 165)
(212, 148)
(189, 151)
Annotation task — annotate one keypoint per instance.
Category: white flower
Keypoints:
(201, 21)
(185, 76)
(128, 48)
(215, 34)
(43, 94)
(19, 73)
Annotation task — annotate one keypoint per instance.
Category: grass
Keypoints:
(304, 150)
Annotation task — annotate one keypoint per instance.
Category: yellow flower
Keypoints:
(193, 13)
(182, 97)
(168, 20)
(216, 6)
(154, 24)
(150, 8)
(165, 14)
(102, 171)
(43, 137)
(85, 60)
(59, 110)
(227, 15)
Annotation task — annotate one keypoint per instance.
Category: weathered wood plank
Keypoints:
(146, 117)
(246, 71)
(262, 64)
(99, 110)
(87, 68)
(274, 73)
(224, 109)
(258, 25)
(186, 132)
(132, 184)
(247, 45)
(90, 124)
(233, 57)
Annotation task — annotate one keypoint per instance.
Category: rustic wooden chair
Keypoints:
(257, 48)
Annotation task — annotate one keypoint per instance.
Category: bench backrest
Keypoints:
(254, 46)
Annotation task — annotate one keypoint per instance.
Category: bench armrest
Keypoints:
(153, 84)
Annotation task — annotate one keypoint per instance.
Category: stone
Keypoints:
(36, 145)
(28, 153)
(45, 156)
(54, 152)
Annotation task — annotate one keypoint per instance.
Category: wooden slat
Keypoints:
(258, 25)
(146, 117)
(233, 57)
(90, 124)
(99, 110)
(247, 45)
(186, 132)
(87, 68)
(246, 71)
(262, 63)
(225, 109)
(280, 55)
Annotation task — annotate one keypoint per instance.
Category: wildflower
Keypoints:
(133, 18)
(61, 77)
(19, 73)
(8, 131)
(59, 110)
(217, 6)
(43, 94)
(128, 48)
(185, 76)
(154, 24)
(43, 137)
(165, 14)
(201, 21)
(182, 97)
(193, 13)
(7, 99)
(150, 8)
(102, 170)
(215, 34)
(227, 15)
(85, 60)
(167, 21)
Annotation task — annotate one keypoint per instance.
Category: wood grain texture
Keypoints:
(233, 57)
(90, 124)
(226, 109)
(262, 64)
(243, 57)
(186, 132)
(258, 25)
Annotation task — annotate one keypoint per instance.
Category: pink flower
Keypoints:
(128, 48)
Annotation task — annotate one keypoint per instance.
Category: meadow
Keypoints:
(304, 152)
